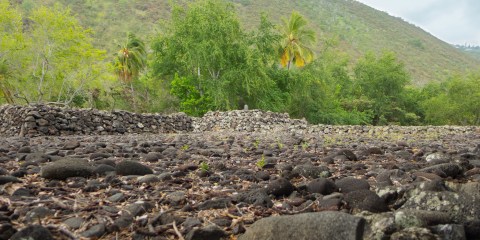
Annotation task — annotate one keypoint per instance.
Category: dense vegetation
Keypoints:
(203, 59)
(355, 27)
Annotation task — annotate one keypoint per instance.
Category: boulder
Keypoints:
(322, 185)
(306, 226)
(280, 187)
(128, 167)
(33, 232)
(350, 184)
(365, 200)
(65, 168)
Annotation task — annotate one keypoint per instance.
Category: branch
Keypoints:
(180, 237)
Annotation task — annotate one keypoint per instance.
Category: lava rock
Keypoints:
(128, 167)
(449, 169)
(71, 145)
(99, 155)
(102, 169)
(33, 232)
(322, 185)
(350, 184)
(472, 228)
(74, 222)
(149, 178)
(262, 175)
(118, 197)
(95, 231)
(210, 232)
(37, 213)
(25, 149)
(65, 168)
(152, 157)
(437, 158)
(6, 231)
(374, 151)
(366, 200)
(348, 154)
(280, 187)
(214, 204)
(256, 197)
(310, 171)
(9, 179)
(413, 233)
(22, 192)
(176, 198)
(462, 207)
(450, 231)
(319, 225)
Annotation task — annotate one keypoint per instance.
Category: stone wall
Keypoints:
(40, 120)
(246, 120)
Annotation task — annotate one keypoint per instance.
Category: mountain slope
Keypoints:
(357, 28)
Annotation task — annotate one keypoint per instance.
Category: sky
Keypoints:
(453, 21)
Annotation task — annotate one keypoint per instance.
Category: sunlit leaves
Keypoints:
(295, 47)
(49, 56)
(205, 44)
(11, 40)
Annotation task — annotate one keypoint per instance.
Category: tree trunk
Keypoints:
(132, 93)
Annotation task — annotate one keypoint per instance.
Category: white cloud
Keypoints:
(454, 21)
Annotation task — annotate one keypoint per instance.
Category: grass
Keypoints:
(261, 163)
(204, 166)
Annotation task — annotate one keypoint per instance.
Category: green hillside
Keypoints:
(357, 28)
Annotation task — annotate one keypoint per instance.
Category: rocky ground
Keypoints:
(222, 185)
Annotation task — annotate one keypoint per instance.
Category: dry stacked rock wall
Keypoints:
(432, 131)
(246, 120)
(40, 120)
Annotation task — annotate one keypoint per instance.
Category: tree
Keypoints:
(296, 40)
(382, 81)
(266, 40)
(455, 101)
(130, 59)
(53, 60)
(4, 86)
(205, 47)
(11, 40)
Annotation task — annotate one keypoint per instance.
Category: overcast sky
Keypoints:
(453, 21)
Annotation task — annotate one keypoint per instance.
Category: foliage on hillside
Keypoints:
(356, 27)
(203, 58)
(49, 58)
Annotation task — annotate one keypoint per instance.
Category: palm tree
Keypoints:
(131, 59)
(296, 39)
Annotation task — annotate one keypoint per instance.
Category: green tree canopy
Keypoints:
(382, 80)
(455, 101)
(11, 40)
(205, 47)
(50, 57)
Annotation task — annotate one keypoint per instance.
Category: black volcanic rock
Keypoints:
(128, 167)
(65, 168)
